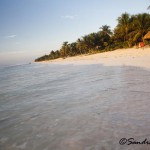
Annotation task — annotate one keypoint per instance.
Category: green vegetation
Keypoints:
(129, 31)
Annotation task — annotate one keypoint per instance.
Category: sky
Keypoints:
(32, 28)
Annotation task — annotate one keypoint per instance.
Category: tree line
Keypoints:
(129, 31)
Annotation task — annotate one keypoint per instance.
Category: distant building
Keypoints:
(147, 36)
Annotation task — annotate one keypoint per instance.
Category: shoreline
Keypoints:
(121, 57)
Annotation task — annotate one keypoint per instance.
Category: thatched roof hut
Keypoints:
(147, 36)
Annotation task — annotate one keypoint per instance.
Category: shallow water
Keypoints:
(73, 107)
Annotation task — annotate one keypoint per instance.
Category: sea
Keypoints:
(74, 107)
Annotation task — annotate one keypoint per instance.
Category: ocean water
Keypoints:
(73, 107)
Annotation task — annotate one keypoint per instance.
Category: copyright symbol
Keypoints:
(123, 141)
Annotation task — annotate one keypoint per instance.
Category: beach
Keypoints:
(74, 75)
(128, 57)
(78, 103)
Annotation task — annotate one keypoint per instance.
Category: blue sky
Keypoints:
(31, 28)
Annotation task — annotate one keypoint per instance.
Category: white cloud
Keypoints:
(68, 17)
(10, 36)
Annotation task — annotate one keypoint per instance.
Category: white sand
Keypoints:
(128, 57)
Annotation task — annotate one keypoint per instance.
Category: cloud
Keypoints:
(11, 52)
(10, 36)
(71, 17)
(17, 43)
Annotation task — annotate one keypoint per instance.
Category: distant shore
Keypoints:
(129, 57)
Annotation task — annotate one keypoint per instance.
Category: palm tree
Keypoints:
(63, 50)
(79, 45)
(104, 36)
(74, 48)
(142, 26)
(124, 23)
(82, 44)
(106, 29)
